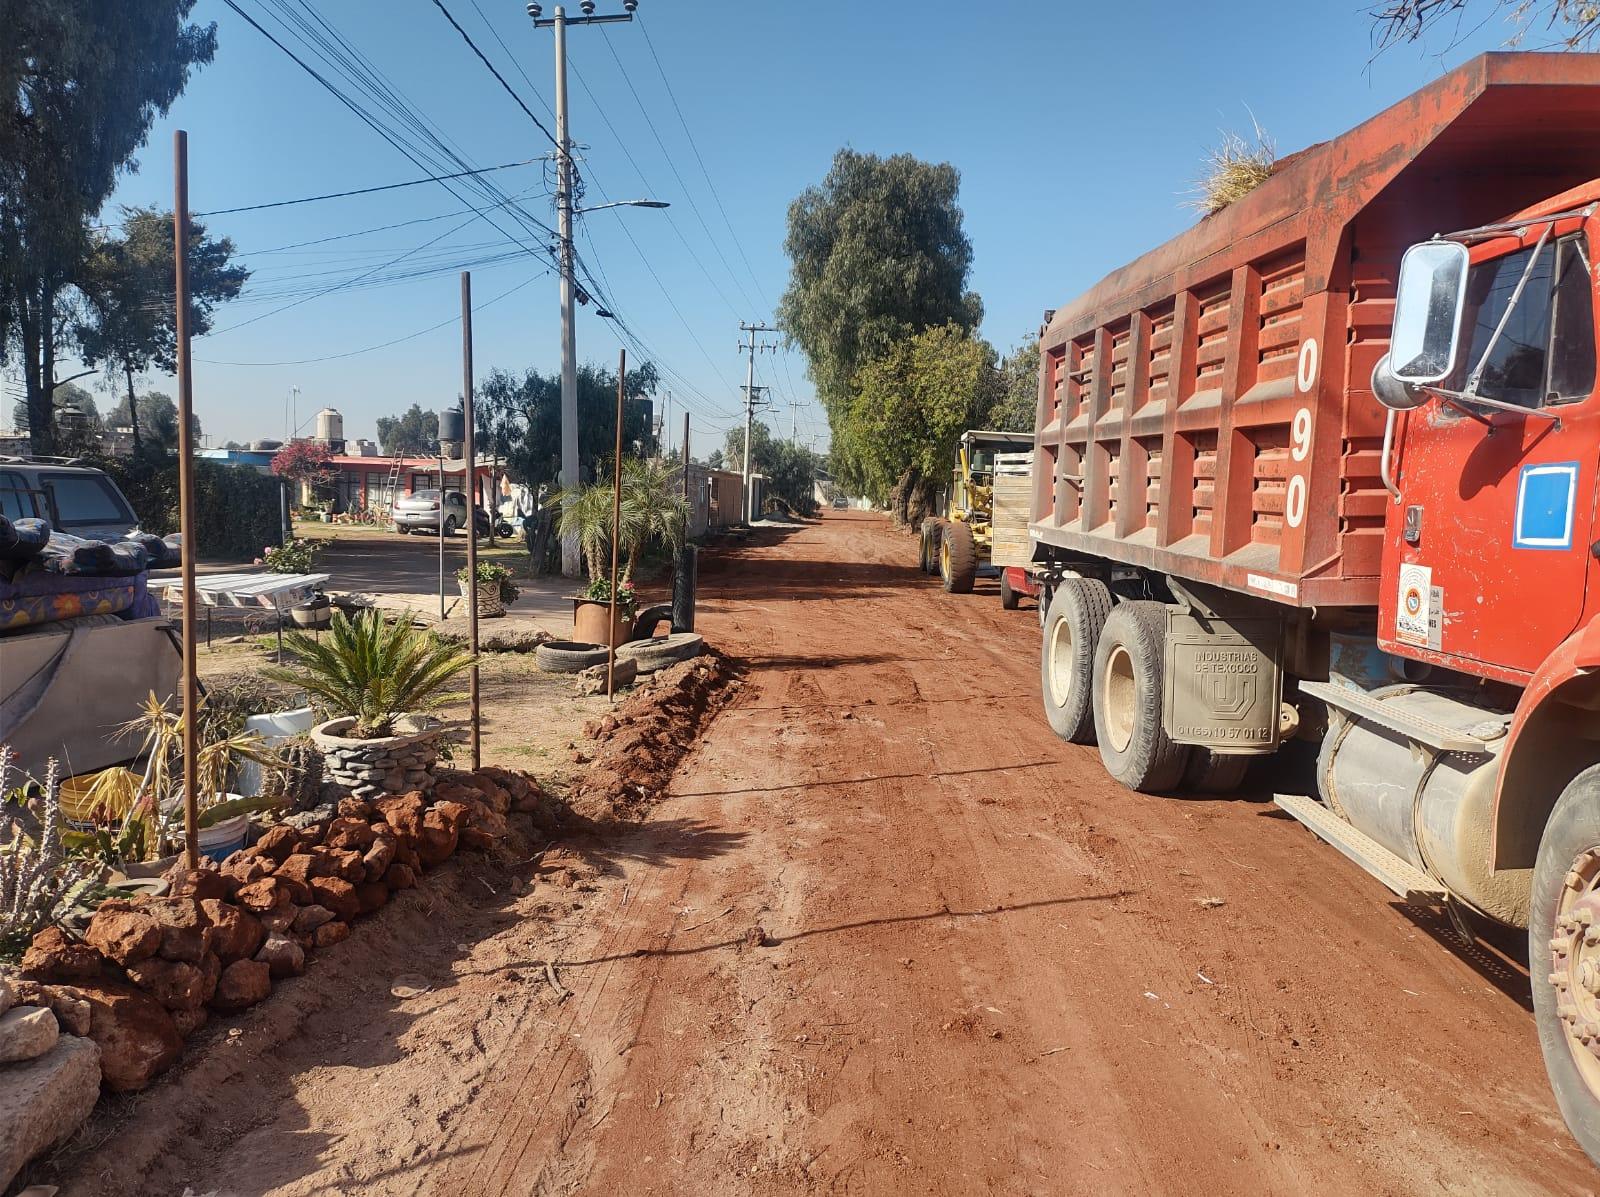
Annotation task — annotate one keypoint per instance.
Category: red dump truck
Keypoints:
(1324, 467)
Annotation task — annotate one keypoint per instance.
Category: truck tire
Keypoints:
(958, 558)
(1010, 600)
(1214, 772)
(569, 656)
(1566, 898)
(1077, 612)
(1129, 668)
(658, 653)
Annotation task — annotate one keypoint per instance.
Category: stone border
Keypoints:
(384, 765)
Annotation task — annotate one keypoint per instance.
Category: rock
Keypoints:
(331, 933)
(282, 918)
(380, 856)
(298, 867)
(278, 843)
(348, 865)
(404, 814)
(399, 876)
(65, 1002)
(310, 918)
(348, 834)
(26, 1032)
(407, 856)
(137, 1037)
(243, 984)
(338, 895)
(210, 975)
(54, 957)
(123, 933)
(371, 895)
(186, 933)
(176, 985)
(204, 882)
(190, 1021)
(8, 995)
(356, 808)
(244, 870)
(264, 895)
(441, 828)
(310, 818)
(394, 780)
(236, 933)
(282, 956)
(45, 1100)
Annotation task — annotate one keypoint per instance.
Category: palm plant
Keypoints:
(372, 670)
(654, 508)
(585, 513)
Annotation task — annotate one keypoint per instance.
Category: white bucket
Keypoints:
(275, 727)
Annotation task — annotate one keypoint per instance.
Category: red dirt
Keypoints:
(887, 935)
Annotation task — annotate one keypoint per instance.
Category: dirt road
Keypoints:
(981, 968)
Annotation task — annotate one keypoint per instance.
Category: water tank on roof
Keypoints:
(452, 426)
(330, 426)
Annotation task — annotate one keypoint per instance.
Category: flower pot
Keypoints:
(589, 620)
(394, 764)
(222, 840)
(315, 612)
(490, 605)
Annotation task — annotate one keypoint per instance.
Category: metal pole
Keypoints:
(616, 529)
(569, 346)
(472, 514)
(749, 407)
(686, 455)
(191, 681)
(440, 528)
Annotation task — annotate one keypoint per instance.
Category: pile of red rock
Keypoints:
(150, 971)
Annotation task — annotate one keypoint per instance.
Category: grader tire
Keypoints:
(958, 558)
(930, 545)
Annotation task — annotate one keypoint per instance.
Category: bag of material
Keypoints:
(22, 539)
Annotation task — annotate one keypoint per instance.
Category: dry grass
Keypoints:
(1233, 169)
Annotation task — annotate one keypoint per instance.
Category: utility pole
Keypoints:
(666, 427)
(751, 348)
(565, 210)
(190, 665)
(471, 448)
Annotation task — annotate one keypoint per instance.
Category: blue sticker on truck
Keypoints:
(1547, 499)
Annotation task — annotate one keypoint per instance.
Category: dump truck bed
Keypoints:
(1206, 410)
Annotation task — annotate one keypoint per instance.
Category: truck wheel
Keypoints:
(932, 530)
(1077, 612)
(1214, 772)
(1564, 955)
(958, 558)
(1010, 600)
(1128, 674)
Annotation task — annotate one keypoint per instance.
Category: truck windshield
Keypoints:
(982, 461)
(1546, 350)
(81, 500)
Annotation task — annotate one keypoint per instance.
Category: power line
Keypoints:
(305, 361)
(710, 186)
(311, 199)
(439, 4)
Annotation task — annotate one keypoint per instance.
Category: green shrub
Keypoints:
(492, 573)
(236, 508)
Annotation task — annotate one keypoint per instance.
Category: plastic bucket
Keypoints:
(222, 840)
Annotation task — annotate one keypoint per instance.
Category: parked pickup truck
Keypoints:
(1324, 466)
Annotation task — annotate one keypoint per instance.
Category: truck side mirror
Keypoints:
(1427, 312)
(1392, 392)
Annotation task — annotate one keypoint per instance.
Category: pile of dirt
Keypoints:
(638, 746)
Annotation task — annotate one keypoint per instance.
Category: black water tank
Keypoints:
(452, 425)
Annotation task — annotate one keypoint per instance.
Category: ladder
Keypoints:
(391, 488)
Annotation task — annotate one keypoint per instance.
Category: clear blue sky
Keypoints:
(1077, 129)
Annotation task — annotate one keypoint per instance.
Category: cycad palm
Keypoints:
(373, 670)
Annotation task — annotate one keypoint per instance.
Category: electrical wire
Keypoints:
(466, 37)
(311, 199)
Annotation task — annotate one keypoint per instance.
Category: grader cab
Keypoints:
(958, 543)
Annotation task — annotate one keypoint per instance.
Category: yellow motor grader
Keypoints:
(958, 544)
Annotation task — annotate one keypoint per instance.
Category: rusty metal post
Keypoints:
(472, 512)
(686, 493)
(616, 530)
(191, 684)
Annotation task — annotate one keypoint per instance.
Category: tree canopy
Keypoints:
(83, 81)
(790, 469)
(1014, 400)
(1566, 24)
(414, 432)
(157, 415)
(518, 417)
(877, 253)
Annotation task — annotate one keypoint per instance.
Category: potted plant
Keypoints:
(495, 588)
(375, 679)
(299, 556)
(143, 808)
(652, 510)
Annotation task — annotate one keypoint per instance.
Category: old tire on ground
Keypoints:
(1077, 612)
(1566, 901)
(1214, 772)
(1129, 667)
(568, 656)
(1010, 599)
(644, 626)
(958, 558)
(651, 655)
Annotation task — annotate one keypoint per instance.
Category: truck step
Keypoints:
(1397, 719)
(1400, 875)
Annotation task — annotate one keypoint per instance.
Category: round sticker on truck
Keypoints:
(1411, 616)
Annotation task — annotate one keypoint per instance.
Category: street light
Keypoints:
(623, 204)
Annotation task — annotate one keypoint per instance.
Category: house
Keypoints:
(362, 483)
